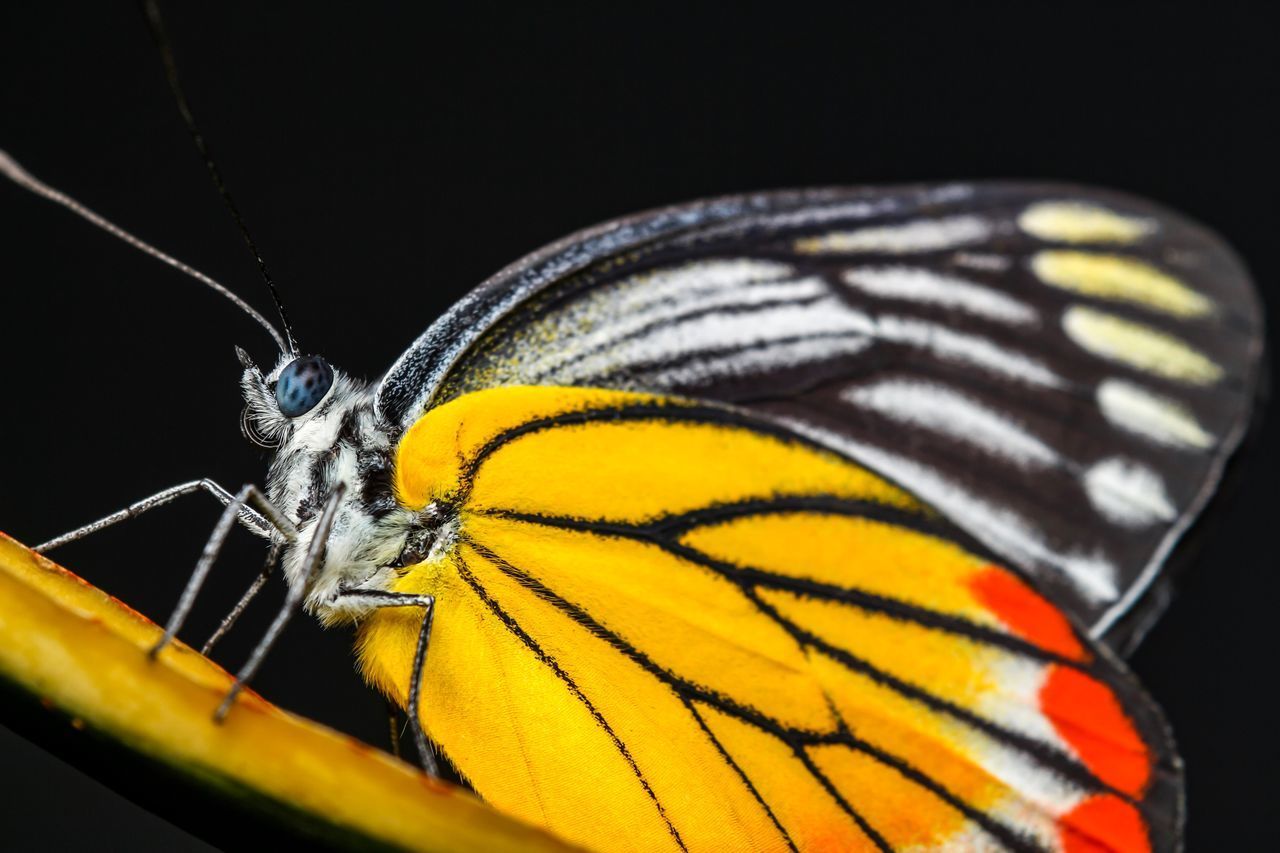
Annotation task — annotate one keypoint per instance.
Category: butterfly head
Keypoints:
(279, 401)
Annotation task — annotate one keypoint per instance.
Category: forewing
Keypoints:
(1062, 372)
(662, 625)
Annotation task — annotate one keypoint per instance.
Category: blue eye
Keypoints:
(302, 385)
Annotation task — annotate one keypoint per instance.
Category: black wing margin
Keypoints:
(1061, 371)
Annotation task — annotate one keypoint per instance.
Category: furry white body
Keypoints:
(341, 442)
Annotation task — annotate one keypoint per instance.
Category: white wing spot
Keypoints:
(1128, 493)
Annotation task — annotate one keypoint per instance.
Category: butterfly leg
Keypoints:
(211, 550)
(380, 599)
(273, 556)
(310, 567)
(393, 727)
(260, 524)
(425, 754)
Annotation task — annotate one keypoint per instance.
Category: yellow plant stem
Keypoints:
(82, 654)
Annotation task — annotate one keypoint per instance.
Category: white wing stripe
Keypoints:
(673, 311)
(918, 235)
(966, 348)
(774, 356)
(942, 410)
(689, 281)
(925, 286)
(720, 331)
(739, 328)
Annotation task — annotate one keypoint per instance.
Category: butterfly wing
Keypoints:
(666, 625)
(1062, 372)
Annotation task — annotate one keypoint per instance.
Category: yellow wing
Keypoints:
(661, 625)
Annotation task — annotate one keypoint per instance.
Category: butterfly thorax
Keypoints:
(340, 444)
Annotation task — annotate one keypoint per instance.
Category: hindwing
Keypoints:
(666, 625)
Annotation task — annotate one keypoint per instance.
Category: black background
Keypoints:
(388, 158)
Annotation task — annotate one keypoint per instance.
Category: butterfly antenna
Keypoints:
(20, 176)
(152, 12)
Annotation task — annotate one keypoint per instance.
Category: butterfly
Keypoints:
(795, 520)
(805, 510)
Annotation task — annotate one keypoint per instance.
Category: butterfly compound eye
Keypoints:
(302, 385)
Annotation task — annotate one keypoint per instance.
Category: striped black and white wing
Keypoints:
(1061, 371)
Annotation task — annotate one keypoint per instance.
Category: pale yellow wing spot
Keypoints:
(1120, 279)
(1140, 347)
(1080, 222)
(1162, 419)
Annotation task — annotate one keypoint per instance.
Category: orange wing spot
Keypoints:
(1025, 613)
(1104, 824)
(1089, 717)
